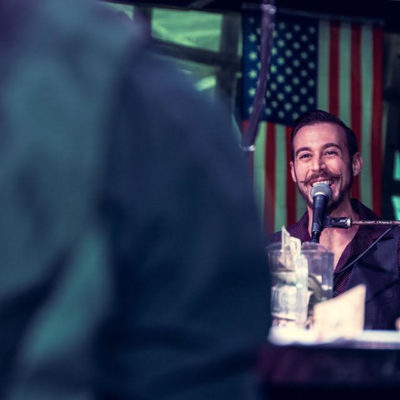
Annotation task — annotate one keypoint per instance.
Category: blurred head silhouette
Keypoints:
(127, 219)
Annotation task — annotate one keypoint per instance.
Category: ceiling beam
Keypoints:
(386, 10)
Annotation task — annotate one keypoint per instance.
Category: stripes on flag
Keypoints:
(376, 158)
(347, 81)
(277, 202)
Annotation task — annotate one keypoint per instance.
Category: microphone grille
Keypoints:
(321, 189)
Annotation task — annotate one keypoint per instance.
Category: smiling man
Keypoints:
(324, 149)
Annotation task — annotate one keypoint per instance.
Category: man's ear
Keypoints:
(357, 163)
(292, 171)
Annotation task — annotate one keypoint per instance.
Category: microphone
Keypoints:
(321, 194)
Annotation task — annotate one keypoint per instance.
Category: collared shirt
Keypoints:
(361, 241)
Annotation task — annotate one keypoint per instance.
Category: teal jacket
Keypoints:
(131, 262)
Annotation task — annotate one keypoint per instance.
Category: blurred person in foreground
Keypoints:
(324, 149)
(130, 250)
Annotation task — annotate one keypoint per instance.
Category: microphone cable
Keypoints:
(367, 249)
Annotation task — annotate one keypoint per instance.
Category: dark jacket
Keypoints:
(378, 268)
(131, 262)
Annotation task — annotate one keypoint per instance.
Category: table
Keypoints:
(347, 369)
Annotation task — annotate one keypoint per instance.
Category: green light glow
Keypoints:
(396, 169)
(396, 206)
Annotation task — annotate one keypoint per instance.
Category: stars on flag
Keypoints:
(253, 74)
(292, 77)
(252, 92)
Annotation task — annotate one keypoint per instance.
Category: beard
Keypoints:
(334, 202)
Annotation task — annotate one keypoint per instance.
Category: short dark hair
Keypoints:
(319, 116)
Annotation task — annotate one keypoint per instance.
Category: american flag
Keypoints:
(315, 63)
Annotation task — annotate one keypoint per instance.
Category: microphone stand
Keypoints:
(268, 10)
(315, 236)
(346, 222)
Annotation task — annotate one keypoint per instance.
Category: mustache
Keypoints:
(324, 176)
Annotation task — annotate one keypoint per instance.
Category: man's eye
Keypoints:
(331, 152)
(304, 156)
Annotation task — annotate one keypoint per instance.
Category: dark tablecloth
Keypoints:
(342, 370)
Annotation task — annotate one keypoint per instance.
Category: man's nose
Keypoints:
(318, 164)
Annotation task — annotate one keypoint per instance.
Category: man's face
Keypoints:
(321, 155)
